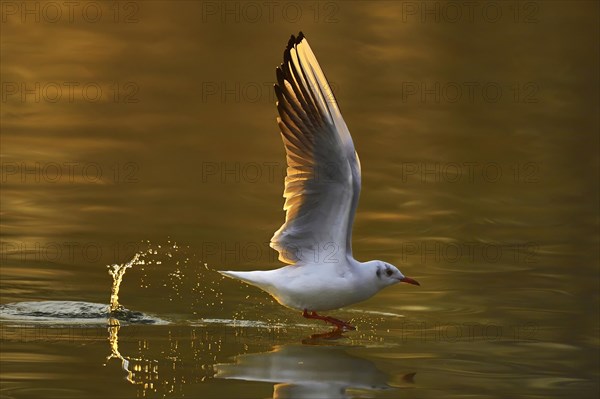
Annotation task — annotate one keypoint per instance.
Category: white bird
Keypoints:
(321, 193)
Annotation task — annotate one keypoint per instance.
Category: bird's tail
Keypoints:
(253, 278)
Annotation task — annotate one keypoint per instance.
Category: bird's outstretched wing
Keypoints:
(322, 185)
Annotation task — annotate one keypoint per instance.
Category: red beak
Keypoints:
(410, 281)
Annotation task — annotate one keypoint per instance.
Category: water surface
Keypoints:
(479, 147)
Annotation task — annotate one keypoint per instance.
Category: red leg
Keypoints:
(341, 325)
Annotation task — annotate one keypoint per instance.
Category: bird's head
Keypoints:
(386, 274)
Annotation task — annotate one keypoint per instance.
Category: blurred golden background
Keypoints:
(135, 123)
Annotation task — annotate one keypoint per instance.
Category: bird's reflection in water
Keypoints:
(320, 338)
(316, 368)
(307, 371)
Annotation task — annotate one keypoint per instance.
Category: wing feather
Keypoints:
(322, 185)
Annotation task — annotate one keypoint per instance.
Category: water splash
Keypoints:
(178, 276)
(117, 272)
(76, 312)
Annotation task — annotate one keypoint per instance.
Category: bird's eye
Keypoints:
(389, 272)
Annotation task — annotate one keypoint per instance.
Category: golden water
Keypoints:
(490, 202)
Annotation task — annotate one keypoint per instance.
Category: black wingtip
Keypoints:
(291, 42)
(279, 74)
(295, 40)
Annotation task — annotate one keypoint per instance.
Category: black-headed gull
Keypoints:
(321, 193)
